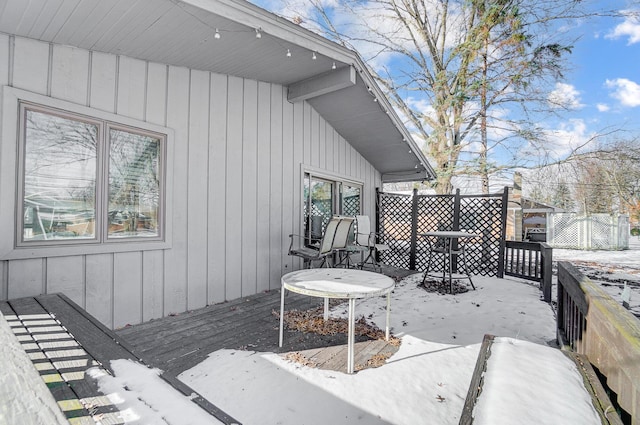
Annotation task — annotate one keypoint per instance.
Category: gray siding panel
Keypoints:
(238, 150)
(233, 197)
(248, 186)
(175, 266)
(127, 291)
(66, 275)
(31, 65)
(216, 229)
(99, 287)
(152, 285)
(289, 173)
(103, 82)
(4, 80)
(70, 74)
(197, 190)
(263, 188)
(132, 74)
(26, 277)
(275, 190)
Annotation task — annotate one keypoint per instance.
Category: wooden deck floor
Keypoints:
(177, 343)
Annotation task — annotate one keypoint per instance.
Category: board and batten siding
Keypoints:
(239, 149)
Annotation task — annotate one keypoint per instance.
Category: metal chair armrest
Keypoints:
(293, 236)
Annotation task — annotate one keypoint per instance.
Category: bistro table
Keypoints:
(347, 284)
(442, 242)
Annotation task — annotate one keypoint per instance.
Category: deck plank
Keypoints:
(178, 343)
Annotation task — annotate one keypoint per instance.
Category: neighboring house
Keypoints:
(527, 219)
(155, 154)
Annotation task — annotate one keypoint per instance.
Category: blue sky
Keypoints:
(602, 85)
(607, 71)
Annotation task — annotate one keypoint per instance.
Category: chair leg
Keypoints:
(426, 272)
(466, 268)
(374, 260)
(449, 261)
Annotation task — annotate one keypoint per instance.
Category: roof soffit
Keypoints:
(181, 33)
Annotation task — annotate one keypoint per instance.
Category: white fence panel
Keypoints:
(594, 231)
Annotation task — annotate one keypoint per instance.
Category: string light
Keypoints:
(258, 35)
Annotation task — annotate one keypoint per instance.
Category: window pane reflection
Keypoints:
(59, 177)
(134, 184)
(350, 200)
(318, 207)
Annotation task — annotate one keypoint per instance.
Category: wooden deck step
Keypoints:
(63, 341)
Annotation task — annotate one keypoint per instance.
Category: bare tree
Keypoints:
(605, 179)
(483, 67)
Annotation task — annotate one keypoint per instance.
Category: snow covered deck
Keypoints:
(229, 354)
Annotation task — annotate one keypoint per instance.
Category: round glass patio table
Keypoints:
(342, 284)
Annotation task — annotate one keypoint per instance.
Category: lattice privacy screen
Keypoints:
(402, 219)
(394, 212)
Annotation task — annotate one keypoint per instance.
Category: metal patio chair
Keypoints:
(310, 249)
(367, 238)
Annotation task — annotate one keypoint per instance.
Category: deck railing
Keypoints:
(592, 323)
(531, 261)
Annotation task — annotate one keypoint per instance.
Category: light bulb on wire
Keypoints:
(258, 33)
(288, 53)
(217, 34)
(313, 56)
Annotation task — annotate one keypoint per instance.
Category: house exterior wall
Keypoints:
(239, 151)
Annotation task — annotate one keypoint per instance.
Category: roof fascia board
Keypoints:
(409, 176)
(388, 108)
(322, 84)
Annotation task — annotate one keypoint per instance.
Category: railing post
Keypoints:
(377, 212)
(457, 201)
(546, 258)
(560, 312)
(456, 211)
(503, 232)
(414, 230)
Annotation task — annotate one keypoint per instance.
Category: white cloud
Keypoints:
(626, 91)
(565, 96)
(630, 28)
(603, 107)
(567, 137)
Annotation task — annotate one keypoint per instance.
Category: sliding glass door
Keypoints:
(324, 197)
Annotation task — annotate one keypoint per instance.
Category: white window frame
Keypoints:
(11, 143)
